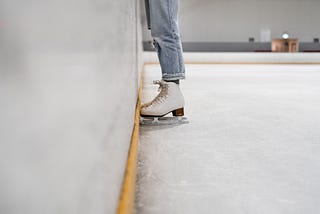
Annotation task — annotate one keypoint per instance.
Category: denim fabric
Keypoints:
(163, 20)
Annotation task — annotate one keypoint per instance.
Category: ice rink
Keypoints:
(252, 145)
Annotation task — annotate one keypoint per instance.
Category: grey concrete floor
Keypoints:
(252, 144)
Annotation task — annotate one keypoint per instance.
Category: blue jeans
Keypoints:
(162, 18)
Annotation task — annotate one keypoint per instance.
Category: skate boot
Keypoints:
(169, 100)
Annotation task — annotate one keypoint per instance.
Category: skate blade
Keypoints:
(158, 121)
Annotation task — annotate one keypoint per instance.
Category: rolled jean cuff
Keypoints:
(176, 76)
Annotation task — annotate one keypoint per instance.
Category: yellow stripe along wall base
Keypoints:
(127, 198)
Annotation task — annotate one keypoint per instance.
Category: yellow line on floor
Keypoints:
(127, 198)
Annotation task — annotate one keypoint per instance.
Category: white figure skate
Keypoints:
(169, 100)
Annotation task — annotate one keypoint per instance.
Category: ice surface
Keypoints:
(252, 144)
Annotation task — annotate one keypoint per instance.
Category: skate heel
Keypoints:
(178, 112)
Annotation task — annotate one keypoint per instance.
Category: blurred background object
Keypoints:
(226, 26)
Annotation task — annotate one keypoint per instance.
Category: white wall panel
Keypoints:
(68, 90)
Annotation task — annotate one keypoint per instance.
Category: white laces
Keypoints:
(161, 97)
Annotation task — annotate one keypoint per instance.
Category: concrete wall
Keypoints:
(237, 20)
(68, 89)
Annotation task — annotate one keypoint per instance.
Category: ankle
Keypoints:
(175, 81)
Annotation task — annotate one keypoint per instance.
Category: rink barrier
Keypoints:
(243, 58)
(127, 197)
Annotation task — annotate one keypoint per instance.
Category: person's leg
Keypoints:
(165, 32)
(163, 20)
(147, 7)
